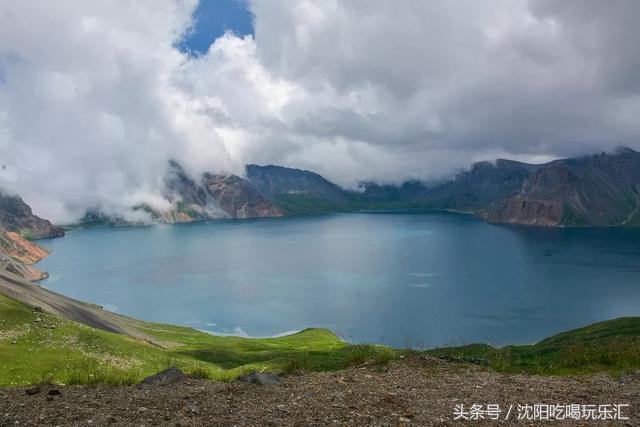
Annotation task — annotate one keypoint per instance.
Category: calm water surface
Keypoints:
(399, 279)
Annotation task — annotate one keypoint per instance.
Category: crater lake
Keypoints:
(403, 279)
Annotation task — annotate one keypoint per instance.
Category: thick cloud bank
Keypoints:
(95, 97)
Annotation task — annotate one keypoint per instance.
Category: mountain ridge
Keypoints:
(599, 190)
(17, 216)
(18, 225)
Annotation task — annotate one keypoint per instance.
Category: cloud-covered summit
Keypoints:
(95, 97)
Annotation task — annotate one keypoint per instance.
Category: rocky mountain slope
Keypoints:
(17, 256)
(484, 183)
(299, 191)
(238, 197)
(600, 190)
(212, 197)
(17, 224)
(276, 180)
(16, 216)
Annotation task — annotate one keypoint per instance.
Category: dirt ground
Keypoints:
(417, 391)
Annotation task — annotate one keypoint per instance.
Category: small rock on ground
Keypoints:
(166, 377)
(32, 390)
(260, 378)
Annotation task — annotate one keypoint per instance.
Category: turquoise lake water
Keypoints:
(401, 279)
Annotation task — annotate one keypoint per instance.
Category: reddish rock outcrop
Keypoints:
(238, 198)
(16, 215)
(17, 255)
(213, 197)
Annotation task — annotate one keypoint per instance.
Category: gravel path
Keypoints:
(418, 391)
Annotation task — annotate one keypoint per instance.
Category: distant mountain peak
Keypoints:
(623, 150)
(254, 168)
(274, 181)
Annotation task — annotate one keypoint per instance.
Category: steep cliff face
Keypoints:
(16, 215)
(541, 200)
(17, 224)
(601, 190)
(214, 197)
(191, 200)
(298, 191)
(272, 180)
(17, 255)
(20, 249)
(239, 198)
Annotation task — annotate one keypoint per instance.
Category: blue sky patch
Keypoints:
(214, 17)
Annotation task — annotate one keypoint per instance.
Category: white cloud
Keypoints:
(435, 84)
(95, 98)
(86, 117)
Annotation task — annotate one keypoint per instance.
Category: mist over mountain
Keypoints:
(96, 99)
(596, 190)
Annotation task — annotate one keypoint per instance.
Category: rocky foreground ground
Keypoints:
(417, 391)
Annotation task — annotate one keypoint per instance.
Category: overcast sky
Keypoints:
(96, 96)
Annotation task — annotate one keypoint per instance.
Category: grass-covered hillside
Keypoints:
(612, 346)
(40, 347)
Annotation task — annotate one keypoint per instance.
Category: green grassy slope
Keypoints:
(612, 346)
(39, 347)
